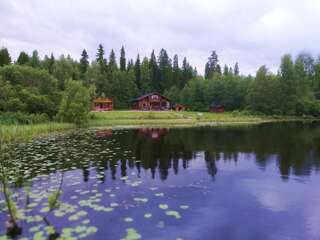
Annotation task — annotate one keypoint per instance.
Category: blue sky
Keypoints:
(251, 32)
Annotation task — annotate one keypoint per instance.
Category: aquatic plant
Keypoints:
(12, 226)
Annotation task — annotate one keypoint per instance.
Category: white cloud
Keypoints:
(249, 31)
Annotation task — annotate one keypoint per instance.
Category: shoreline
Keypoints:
(134, 119)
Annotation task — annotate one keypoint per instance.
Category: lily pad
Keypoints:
(163, 206)
(132, 234)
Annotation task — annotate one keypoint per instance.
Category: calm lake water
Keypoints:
(247, 182)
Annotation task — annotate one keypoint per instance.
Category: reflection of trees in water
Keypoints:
(295, 147)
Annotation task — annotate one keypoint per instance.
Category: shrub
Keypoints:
(75, 103)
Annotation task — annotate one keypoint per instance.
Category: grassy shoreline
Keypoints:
(127, 119)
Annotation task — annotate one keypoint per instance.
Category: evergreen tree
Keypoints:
(100, 58)
(51, 64)
(5, 58)
(153, 66)
(137, 72)
(212, 65)
(122, 60)
(165, 71)
(187, 73)
(84, 63)
(176, 72)
(130, 65)
(145, 76)
(35, 60)
(23, 58)
(112, 61)
(236, 69)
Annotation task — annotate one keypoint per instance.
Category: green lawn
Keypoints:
(169, 118)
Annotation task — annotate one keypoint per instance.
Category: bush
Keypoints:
(75, 103)
(22, 118)
(308, 107)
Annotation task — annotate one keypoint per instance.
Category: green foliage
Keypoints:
(22, 118)
(53, 200)
(25, 89)
(75, 103)
(264, 93)
(5, 58)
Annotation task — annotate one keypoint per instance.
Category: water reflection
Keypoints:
(295, 147)
(192, 173)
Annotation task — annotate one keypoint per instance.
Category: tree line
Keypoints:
(35, 85)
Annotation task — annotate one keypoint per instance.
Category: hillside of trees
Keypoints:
(35, 86)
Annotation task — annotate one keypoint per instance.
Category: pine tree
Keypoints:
(112, 61)
(165, 71)
(212, 65)
(23, 58)
(100, 58)
(130, 65)
(122, 60)
(137, 72)
(145, 76)
(84, 63)
(5, 58)
(35, 60)
(236, 69)
(187, 73)
(176, 72)
(153, 66)
(51, 64)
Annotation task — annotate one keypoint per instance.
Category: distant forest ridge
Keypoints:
(35, 85)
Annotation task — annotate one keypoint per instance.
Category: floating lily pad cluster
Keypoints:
(82, 160)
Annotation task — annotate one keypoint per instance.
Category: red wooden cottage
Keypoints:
(103, 104)
(217, 108)
(151, 101)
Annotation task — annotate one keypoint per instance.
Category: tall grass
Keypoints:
(11, 133)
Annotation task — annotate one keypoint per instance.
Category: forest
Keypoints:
(38, 89)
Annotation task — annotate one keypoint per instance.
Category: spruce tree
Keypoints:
(5, 58)
(112, 61)
(51, 64)
(130, 65)
(122, 60)
(35, 60)
(153, 66)
(137, 72)
(23, 58)
(236, 69)
(84, 63)
(176, 72)
(212, 65)
(100, 58)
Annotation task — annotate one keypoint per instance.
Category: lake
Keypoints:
(232, 182)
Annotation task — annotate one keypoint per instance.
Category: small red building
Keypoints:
(178, 107)
(217, 108)
(151, 101)
(103, 104)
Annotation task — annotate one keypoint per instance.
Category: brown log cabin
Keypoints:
(151, 101)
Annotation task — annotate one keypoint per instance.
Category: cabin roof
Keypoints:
(149, 94)
(103, 100)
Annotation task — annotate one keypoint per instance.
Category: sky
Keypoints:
(251, 32)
